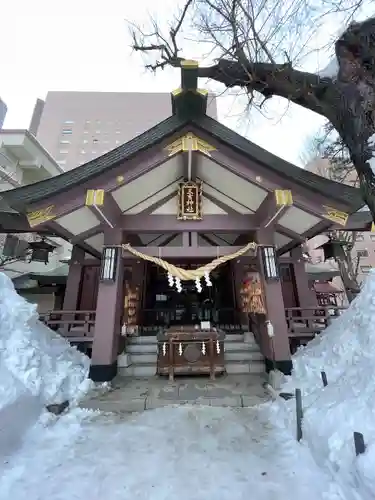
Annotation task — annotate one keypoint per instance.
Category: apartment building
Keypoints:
(23, 161)
(3, 112)
(363, 253)
(76, 127)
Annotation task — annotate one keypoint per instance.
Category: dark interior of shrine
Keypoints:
(165, 306)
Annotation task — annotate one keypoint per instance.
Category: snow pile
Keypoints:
(346, 352)
(43, 363)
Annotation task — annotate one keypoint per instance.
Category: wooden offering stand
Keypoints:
(186, 350)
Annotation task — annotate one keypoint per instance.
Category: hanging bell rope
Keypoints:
(190, 274)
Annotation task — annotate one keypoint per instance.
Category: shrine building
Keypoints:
(147, 219)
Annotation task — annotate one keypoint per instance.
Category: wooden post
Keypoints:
(359, 443)
(299, 414)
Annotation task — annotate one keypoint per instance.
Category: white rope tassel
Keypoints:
(207, 278)
(198, 285)
(218, 347)
(178, 285)
(170, 280)
(180, 349)
(203, 348)
(164, 348)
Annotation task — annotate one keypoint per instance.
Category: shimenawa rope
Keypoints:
(189, 274)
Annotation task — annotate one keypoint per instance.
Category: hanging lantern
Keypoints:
(40, 251)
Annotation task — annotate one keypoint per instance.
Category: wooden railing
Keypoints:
(308, 321)
(76, 326)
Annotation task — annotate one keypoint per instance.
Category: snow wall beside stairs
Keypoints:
(37, 367)
(346, 352)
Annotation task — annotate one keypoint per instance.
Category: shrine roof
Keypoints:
(189, 109)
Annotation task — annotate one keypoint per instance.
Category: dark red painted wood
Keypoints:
(89, 288)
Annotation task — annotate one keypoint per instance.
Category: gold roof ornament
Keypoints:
(40, 216)
(189, 142)
(283, 197)
(335, 215)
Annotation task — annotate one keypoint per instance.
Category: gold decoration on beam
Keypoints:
(120, 179)
(94, 197)
(40, 216)
(189, 142)
(283, 197)
(335, 215)
(190, 274)
(373, 227)
(189, 201)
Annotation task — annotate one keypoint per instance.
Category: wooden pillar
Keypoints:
(108, 315)
(306, 296)
(276, 349)
(73, 282)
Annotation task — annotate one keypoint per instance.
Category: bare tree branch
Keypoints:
(259, 42)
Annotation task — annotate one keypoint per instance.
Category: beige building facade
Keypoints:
(77, 127)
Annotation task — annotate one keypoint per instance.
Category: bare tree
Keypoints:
(332, 161)
(258, 45)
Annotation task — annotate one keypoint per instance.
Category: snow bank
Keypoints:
(346, 352)
(41, 361)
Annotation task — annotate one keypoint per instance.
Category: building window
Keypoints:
(93, 152)
(68, 122)
(83, 152)
(117, 131)
(64, 141)
(359, 237)
(106, 142)
(117, 142)
(95, 140)
(85, 132)
(362, 253)
(63, 151)
(85, 141)
(372, 236)
(365, 269)
(67, 131)
(97, 131)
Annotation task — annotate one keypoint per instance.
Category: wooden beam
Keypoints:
(103, 206)
(170, 224)
(289, 233)
(223, 206)
(68, 236)
(270, 210)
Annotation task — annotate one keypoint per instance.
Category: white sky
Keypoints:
(84, 45)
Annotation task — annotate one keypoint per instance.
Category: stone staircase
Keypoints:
(242, 355)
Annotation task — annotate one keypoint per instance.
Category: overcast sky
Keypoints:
(84, 45)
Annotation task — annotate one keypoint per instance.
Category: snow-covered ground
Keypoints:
(164, 454)
(186, 452)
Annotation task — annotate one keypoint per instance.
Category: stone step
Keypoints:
(140, 358)
(243, 356)
(142, 340)
(142, 348)
(238, 367)
(235, 337)
(241, 346)
(138, 370)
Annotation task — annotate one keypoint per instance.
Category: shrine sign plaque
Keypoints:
(190, 201)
